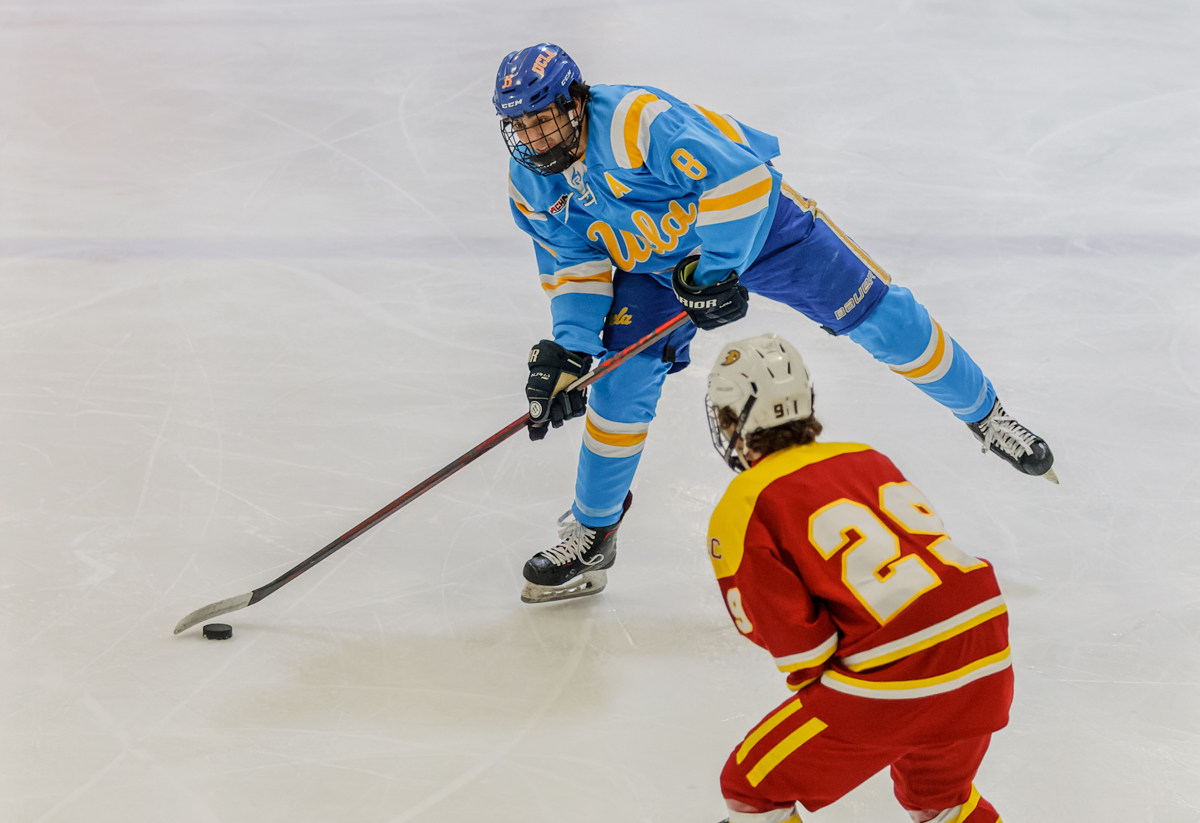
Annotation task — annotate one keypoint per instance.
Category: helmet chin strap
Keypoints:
(576, 121)
(732, 452)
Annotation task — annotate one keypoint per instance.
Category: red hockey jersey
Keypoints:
(840, 568)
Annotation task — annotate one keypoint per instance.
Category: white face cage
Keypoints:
(726, 444)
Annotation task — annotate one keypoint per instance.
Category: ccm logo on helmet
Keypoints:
(698, 304)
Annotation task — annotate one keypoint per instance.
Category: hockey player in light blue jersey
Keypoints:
(639, 203)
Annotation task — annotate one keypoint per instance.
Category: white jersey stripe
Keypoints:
(711, 218)
(740, 183)
(795, 662)
(604, 288)
(592, 277)
(616, 128)
(522, 203)
(909, 689)
(629, 131)
(924, 639)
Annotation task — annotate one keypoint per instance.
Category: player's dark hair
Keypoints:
(766, 441)
(580, 91)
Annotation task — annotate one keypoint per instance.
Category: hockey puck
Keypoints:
(218, 631)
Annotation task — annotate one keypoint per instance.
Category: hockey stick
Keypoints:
(243, 600)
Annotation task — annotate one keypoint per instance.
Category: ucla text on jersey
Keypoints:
(659, 179)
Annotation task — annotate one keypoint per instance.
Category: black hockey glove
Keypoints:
(709, 306)
(551, 369)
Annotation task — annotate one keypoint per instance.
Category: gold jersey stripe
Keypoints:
(797, 198)
(919, 641)
(906, 689)
(800, 686)
(811, 657)
(722, 123)
(563, 281)
(732, 201)
(633, 127)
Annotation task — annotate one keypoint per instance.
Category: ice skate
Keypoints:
(577, 566)
(1020, 447)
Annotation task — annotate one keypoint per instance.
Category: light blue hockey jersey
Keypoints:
(660, 179)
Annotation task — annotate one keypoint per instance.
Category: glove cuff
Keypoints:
(683, 278)
(548, 354)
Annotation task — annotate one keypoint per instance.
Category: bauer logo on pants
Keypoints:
(855, 299)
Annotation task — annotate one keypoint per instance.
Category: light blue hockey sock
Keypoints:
(620, 409)
(900, 334)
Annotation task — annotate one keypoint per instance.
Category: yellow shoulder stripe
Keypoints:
(629, 131)
(727, 528)
(722, 123)
(633, 124)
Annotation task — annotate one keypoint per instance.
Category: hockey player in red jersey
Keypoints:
(894, 639)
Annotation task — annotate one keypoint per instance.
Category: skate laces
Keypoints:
(575, 540)
(1007, 433)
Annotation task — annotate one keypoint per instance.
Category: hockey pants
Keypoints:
(820, 744)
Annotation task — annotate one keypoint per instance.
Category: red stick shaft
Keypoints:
(465, 459)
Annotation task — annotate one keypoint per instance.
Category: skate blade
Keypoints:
(586, 584)
(1051, 476)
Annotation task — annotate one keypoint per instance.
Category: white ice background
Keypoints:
(259, 278)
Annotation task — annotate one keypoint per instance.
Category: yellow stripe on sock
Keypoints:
(969, 807)
(934, 360)
(612, 439)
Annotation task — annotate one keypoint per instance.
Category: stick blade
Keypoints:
(212, 610)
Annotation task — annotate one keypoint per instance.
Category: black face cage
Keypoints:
(554, 160)
(727, 447)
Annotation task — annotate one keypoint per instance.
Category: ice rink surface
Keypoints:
(259, 278)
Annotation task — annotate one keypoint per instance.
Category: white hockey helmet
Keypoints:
(762, 380)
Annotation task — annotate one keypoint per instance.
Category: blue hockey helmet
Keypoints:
(531, 79)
